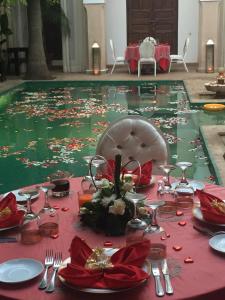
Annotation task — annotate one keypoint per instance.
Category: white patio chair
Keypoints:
(150, 39)
(118, 60)
(180, 58)
(147, 55)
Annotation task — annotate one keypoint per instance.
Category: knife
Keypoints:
(165, 271)
(8, 240)
(156, 273)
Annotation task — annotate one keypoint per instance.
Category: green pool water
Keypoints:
(50, 126)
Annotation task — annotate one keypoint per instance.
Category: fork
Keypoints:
(57, 263)
(49, 258)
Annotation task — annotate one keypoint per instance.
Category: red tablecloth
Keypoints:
(204, 279)
(162, 56)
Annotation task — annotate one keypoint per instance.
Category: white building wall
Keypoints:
(116, 27)
(188, 22)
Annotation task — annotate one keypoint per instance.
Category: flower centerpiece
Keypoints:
(110, 209)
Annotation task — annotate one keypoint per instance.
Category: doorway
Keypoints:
(156, 18)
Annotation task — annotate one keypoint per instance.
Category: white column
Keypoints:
(96, 30)
(74, 45)
(209, 28)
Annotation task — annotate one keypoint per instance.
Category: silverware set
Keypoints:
(156, 266)
(55, 262)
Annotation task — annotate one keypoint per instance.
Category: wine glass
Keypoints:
(135, 227)
(167, 169)
(30, 233)
(135, 198)
(87, 159)
(155, 233)
(48, 217)
(183, 165)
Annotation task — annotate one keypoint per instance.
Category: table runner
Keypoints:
(202, 279)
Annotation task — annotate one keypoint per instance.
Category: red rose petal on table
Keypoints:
(108, 244)
(65, 208)
(56, 207)
(54, 236)
(182, 223)
(167, 235)
(188, 260)
(179, 213)
(177, 248)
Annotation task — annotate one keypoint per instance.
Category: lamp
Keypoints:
(210, 56)
(96, 58)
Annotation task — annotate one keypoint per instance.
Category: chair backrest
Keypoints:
(186, 45)
(147, 49)
(112, 48)
(134, 137)
(150, 39)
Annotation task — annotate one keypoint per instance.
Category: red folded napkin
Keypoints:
(124, 269)
(146, 172)
(213, 208)
(9, 214)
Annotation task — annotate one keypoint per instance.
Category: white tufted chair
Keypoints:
(134, 137)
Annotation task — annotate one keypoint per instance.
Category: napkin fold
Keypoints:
(212, 207)
(9, 214)
(125, 270)
(146, 172)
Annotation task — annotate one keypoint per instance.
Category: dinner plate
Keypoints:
(197, 213)
(217, 242)
(196, 185)
(20, 270)
(20, 198)
(109, 252)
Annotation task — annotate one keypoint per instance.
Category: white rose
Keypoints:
(118, 208)
(107, 200)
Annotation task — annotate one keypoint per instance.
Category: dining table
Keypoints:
(162, 56)
(197, 271)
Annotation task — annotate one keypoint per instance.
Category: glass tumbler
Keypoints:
(184, 195)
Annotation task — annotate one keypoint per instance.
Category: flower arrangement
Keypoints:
(106, 211)
(110, 209)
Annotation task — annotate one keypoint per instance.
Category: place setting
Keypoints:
(211, 216)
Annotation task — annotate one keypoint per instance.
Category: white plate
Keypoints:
(20, 198)
(197, 213)
(217, 242)
(197, 185)
(109, 252)
(20, 270)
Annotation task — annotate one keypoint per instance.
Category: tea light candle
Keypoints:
(83, 198)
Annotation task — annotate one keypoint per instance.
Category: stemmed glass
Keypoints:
(87, 159)
(48, 217)
(135, 227)
(183, 165)
(167, 169)
(30, 233)
(155, 233)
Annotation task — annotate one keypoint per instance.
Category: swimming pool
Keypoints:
(49, 126)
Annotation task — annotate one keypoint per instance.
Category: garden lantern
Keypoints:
(210, 56)
(96, 58)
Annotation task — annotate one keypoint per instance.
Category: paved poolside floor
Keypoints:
(194, 82)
